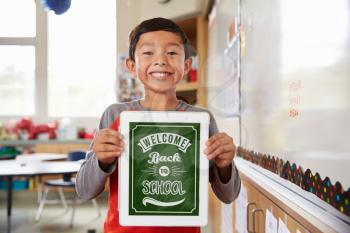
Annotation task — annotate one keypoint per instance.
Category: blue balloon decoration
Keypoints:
(58, 6)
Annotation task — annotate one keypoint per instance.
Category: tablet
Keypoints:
(163, 172)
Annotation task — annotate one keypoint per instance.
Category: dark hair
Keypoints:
(156, 24)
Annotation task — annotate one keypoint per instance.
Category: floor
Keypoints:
(54, 218)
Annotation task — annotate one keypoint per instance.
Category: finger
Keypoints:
(108, 155)
(215, 137)
(110, 139)
(212, 147)
(219, 142)
(224, 139)
(220, 151)
(110, 132)
(106, 148)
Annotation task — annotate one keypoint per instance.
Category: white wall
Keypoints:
(173, 9)
(132, 12)
(128, 13)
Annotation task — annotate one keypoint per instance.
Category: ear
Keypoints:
(130, 64)
(188, 65)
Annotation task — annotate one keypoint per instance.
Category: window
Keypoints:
(74, 76)
(17, 65)
(17, 57)
(82, 59)
(17, 18)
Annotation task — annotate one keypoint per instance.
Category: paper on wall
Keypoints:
(270, 222)
(241, 211)
(226, 218)
(282, 228)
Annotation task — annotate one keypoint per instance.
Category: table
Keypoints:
(40, 157)
(35, 167)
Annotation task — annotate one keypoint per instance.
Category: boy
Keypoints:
(159, 57)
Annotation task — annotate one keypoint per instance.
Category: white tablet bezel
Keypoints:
(123, 165)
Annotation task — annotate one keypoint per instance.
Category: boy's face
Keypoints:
(159, 61)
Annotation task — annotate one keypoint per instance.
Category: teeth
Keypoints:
(160, 75)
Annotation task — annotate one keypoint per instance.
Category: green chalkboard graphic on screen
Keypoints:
(164, 169)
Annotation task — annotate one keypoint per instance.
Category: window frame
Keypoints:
(40, 43)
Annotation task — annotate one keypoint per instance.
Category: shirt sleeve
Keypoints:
(226, 192)
(91, 179)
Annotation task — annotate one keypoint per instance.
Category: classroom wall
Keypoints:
(131, 12)
(127, 17)
(295, 81)
(173, 9)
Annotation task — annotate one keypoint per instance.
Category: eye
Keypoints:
(172, 53)
(147, 53)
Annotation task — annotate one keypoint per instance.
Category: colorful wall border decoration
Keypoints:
(333, 194)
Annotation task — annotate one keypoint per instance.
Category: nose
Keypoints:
(160, 60)
(160, 63)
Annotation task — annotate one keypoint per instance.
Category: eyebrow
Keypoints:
(168, 44)
(174, 44)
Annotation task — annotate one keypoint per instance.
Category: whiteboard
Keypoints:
(295, 83)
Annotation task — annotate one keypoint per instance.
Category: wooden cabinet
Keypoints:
(266, 204)
(196, 29)
(294, 226)
(256, 212)
(299, 210)
(48, 146)
(260, 200)
(60, 148)
(253, 204)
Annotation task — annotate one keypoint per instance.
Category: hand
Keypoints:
(221, 148)
(108, 145)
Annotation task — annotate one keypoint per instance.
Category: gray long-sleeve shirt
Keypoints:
(91, 179)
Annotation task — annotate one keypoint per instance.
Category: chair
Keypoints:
(65, 182)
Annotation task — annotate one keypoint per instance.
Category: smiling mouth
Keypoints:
(160, 75)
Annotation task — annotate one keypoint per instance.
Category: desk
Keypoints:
(40, 157)
(9, 169)
(37, 157)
